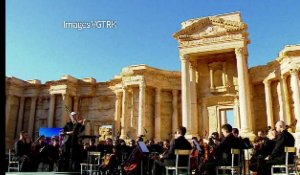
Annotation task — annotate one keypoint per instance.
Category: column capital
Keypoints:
(118, 94)
(175, 91)
(185, 57)
(158, 89)
(125, 88)
(294, 72)
(267, 82)
(283, 76)
(193, 64)
(240, 51)
(142, 84)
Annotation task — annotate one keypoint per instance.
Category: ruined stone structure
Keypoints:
(142, 100)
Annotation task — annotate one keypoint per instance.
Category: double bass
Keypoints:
(133, 160)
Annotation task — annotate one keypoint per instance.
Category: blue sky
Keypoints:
(39, 47)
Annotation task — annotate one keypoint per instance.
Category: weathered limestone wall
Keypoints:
(166, 114)
(259, 107)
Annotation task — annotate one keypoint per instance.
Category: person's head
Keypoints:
(132, 142)
(109, 141)
(180, 132)
(235, 132)
(55, 142)
(92, 141)
(226, 129)
(73, 117)
(42, 139)
(122, 142)
(140, 138)
(166, 144)
(260, 133)
(23, 135)
(280, 126)
(215, 136)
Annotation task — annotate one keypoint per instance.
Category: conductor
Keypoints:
(70, 145)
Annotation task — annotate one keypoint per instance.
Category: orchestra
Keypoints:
(119, 157)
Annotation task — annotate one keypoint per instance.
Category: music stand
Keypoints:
(145, 150)
(197, 145)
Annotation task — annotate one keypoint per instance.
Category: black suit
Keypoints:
(71, 148)
(284, 139)
(223, 153)
(169, 158)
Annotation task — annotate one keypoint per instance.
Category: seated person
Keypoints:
(180, 142)
(277, 156)
(223, 151)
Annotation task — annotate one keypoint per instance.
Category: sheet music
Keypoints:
(143, 147)
(197, 145)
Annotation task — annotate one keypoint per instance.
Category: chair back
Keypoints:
(235, 153)
(94, 157)
(288, 150)
(179, 152)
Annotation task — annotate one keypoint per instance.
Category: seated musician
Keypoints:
(109, 158)
(54, 152)
(277, 156)
(262, 148)
(23, 150)
(223, 152)
(214, 142)
(180, 142)
(41, 151)
(92, 145)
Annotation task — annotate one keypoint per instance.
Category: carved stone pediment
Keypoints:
(209, 27)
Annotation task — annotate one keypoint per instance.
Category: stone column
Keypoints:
(124, 113)
(66, 103)
(193, 119)
(7, 110)
(118, 112)
(285, 99)
(237, 120)
(281, 102)
(296, 96)
(205, 121)
(21, 115)
(175, 111)
(223, 117)
(269, 105)
(32, 116)
(211, 72)
(244, 95)
(224, 74)
(76, 104)
(141, 108)
(157, 119)
(51, 110)
(185, 86)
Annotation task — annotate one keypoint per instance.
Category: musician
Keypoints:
(92, 145)
(54, 151)
(283, 139)
(23, 150)
(71, 147)
(223, 151)
(180, 142)
(214, 142)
